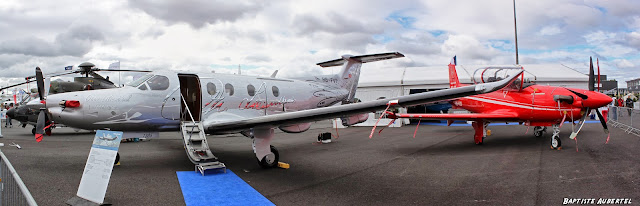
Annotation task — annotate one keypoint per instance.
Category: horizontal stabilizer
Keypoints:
(361, 58)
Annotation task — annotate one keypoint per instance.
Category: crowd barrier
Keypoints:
(625, 118)
(12, 189)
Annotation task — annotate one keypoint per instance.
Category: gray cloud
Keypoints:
(421, 45)
(153, 32)
(75, 42)
(352, 41)
(197, 13)
(632, 40)
(333, 23)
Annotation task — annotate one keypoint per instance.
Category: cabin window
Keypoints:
(140, 80)
(143, 87)
(158, 82)
(211, 88)
(228, 88)
(276, 91)
(251, 90)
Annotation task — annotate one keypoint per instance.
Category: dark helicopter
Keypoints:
(29, 109)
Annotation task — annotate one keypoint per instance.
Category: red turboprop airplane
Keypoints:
(523, 102)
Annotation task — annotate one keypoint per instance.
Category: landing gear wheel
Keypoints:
(48, 131)
(117, 158)
(537, 134)
(538, 131)
(556, 143)
(33, 131)
(271, 160)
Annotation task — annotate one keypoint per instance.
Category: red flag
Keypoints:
(598, 63)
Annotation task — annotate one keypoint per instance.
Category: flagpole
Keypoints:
(598, 63)
(515, 28)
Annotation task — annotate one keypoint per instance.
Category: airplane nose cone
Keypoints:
(597, 100)
(11, 113)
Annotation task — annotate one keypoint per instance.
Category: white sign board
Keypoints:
(3, 114)
(97, 171)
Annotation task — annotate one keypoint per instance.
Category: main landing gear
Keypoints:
(266, 154)
(480, 128)
(538, 131)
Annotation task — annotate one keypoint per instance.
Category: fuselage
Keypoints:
(154, 103)
(535, 105)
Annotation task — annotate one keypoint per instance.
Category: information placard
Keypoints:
(97, 171)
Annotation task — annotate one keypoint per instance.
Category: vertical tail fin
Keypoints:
(453, 75)
(350, 73)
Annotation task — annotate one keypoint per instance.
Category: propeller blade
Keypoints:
(591, 76)
(574, 134)
(7, 87)
(604, 124)
(60, 74)
(120, 70)
(40, 82)
(42, 118)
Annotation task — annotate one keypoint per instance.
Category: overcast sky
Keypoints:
(292, 36)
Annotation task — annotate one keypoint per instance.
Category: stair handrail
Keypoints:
(190, 115)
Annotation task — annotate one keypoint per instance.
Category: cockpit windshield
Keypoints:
(140, 80)
(493, 74)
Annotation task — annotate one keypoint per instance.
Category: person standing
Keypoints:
(8, 121)
(620, 102)
(629, 103)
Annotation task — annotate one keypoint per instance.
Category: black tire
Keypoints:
(555, 142)
(117, 158)
(537, 134)
(33, 131)
(268, 161)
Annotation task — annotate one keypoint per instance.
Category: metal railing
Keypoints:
(625, 118)
(188, 111)
(12, 189)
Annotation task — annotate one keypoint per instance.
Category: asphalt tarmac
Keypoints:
(441, 166)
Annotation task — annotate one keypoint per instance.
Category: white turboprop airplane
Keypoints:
(212, 103)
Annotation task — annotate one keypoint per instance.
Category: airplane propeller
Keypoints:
(42, 117)
(587, 109)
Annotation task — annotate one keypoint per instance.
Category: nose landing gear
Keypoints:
(555, 139)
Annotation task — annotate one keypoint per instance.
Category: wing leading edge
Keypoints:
(269, 121)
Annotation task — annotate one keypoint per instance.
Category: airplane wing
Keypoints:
(468, 116)
(213, 126)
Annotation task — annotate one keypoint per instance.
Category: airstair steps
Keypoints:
(197, 148)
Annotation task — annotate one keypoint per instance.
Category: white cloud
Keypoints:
(623, 63)
(292, 36)
(550, 30)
